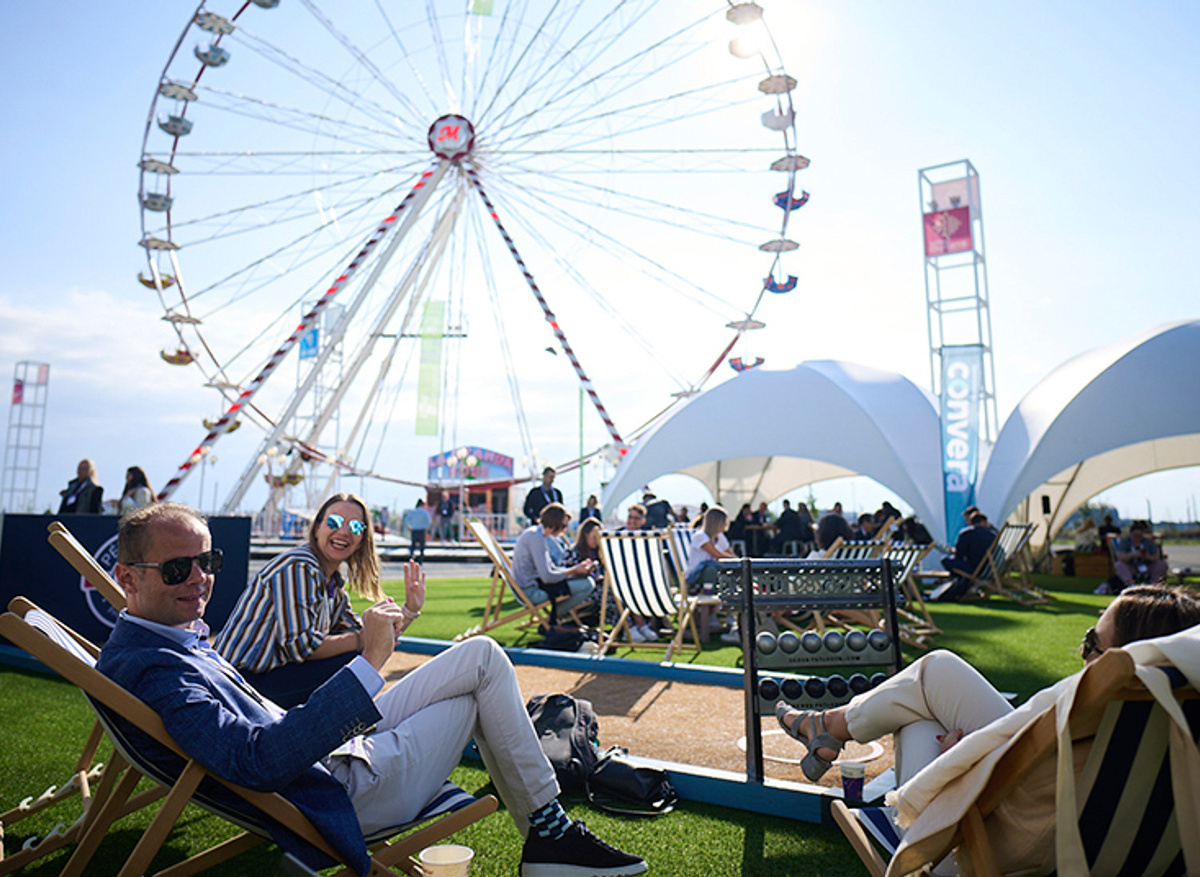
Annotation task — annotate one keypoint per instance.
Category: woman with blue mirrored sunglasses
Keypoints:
(293, 627)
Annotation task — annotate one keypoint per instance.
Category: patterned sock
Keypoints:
(550, 821)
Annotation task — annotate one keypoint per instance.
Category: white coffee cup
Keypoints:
(446, 860)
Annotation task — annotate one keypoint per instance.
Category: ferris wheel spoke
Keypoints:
(528, 49)
(355, 52)
(581, 230)
(572, 88)
(669, 280)
(353, 100)
(540, 201)
(304, 121)
(510, 370)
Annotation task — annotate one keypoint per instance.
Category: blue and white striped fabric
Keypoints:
(633, 562)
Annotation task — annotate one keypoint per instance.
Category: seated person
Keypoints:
(352, 762)
(1087, 538)
(1139, 555)
(969, 549)
(640, 628)
(940, 702)
(864, 531)
(293, 627)
(538, 576)
(658, 512)
(708, 546)
(1106, 529)
(788, 529)
(915, 532)
(830, 527)
(635, 518)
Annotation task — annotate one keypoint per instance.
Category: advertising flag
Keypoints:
(962, 385)
(429, 379)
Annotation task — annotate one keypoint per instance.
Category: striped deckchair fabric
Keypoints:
(635, 576)
(1136, 804)
(679, 543)
(73, 657)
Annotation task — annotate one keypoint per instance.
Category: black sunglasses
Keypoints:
(176, 570)
(1091, 644)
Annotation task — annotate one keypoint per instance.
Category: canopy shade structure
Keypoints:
(764, 433)
(1104, 417)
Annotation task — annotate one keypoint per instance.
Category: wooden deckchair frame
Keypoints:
(103, 691)
(504, 581)
(92, 780)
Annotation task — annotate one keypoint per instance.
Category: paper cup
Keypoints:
(446, 860)
(853, 773)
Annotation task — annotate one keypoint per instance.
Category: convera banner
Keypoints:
(962, 383)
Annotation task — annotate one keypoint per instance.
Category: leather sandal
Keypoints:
(813, 765)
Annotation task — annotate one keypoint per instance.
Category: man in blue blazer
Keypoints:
(352, 762)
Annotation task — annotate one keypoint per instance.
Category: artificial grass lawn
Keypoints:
(1020, 649)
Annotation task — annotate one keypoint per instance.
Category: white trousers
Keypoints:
(939, 692)
(469, 690)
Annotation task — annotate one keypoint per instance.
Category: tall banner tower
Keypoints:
(959, 315)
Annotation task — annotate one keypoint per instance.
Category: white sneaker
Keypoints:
(733, 638)
(636, 635)
(588, 648)
(649, 633)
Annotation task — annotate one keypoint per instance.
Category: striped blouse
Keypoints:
(285, 613)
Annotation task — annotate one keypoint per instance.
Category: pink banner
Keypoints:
(948, 231)
(18, 392)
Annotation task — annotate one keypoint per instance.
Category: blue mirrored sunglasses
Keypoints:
(335, 522)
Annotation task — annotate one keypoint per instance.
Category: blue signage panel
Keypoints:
(31, 568)
(962, 385)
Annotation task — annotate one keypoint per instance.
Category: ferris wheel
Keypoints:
(358, 211)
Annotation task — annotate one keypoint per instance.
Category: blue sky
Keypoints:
(1080, 118)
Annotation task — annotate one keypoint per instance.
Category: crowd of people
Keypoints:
(288, 694)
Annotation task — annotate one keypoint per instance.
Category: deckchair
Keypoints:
(73, 657)
(65, 543)
(528, 615)
(88, 771)
(854, 549)
(635, 576)
(1126, 794)
(993, 573)
(679, 543)
(916, 624)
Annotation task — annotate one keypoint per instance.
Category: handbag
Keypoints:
(618, 785)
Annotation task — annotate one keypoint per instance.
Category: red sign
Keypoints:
(948, 231)
(18, 392)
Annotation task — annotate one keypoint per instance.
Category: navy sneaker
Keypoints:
(578, 853)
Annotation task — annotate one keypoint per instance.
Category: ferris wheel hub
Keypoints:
(452, 137)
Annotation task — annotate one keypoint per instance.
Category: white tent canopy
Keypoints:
(1107, 416)
(1099, 419)
(764, 433)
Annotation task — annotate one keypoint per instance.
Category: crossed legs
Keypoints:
(938, 695)
(467, 691)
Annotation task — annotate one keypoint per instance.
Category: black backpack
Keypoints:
(569, 734)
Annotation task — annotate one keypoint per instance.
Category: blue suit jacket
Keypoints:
(234, 736)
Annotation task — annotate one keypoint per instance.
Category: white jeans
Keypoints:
(469, 690)
(939, 692)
